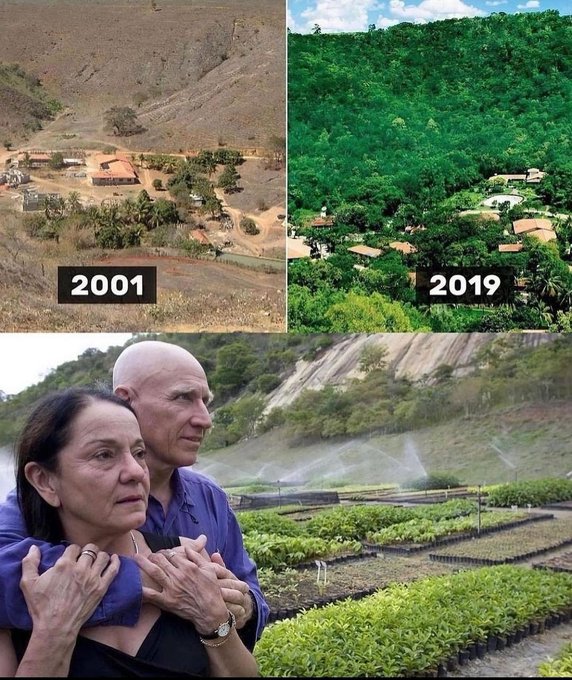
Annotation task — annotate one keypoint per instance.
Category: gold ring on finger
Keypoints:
(90, 553)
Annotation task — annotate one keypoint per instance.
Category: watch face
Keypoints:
(224, 629)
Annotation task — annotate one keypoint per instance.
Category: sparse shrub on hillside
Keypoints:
(249, 227)
(267, 382)
(56, 161)
(275, 418)
(122, 121)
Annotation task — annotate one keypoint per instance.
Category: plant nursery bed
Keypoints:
(562, 562)
(411, 548)
(516, 545)
(295, 589)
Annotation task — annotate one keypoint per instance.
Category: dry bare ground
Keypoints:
(200, 75)
(202, 72)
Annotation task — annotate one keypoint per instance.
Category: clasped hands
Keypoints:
(190, 583)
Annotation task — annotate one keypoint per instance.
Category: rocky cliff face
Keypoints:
(533, 439)
(415, 355)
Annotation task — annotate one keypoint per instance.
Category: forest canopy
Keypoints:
(414, 113)
(406, 141)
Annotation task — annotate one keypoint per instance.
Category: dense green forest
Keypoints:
(243, 369)
(398, 132)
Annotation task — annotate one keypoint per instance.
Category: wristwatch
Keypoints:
(223, 630)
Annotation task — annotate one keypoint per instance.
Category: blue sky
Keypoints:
(356, 15)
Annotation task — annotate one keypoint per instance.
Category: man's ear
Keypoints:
(43, 481)
(123, 392)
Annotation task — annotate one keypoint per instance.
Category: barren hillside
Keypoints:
(198, 73)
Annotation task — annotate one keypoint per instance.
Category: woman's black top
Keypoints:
(171, 649)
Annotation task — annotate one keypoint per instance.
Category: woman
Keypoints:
(82, 478)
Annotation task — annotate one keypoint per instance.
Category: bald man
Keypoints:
(168, 390)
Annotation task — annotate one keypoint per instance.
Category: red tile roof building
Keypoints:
(113, 170)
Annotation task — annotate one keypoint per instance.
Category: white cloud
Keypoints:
(495, 3)
(27, 358)
(338, 15)
(291, 22)
(432, 10)
(531, 4)
(385, 22)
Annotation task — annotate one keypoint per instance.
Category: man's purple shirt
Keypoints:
(199, 506)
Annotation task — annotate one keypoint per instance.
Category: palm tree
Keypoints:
(74, 204)
(546, 283)
(129, 211)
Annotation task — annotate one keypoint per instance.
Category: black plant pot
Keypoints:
(452, 663)
(492, 641)
(501, 642)
(441, 671)
(472, 651)
(463, 657)
(533, 628)
(481, 649)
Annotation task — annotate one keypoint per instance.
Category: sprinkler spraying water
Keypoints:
(505, 460)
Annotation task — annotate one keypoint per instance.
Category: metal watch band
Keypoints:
(215, 635)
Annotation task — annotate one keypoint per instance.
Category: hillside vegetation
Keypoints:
(514, 397)
(408, 115)
(397, 133)
(24, 104)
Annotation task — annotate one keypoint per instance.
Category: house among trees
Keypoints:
(531, 176)
(510, 247)
(197, 200)
(403, 246)
(323, 221)
(113, 170)
(365, 252)
(35, 159)
(543, 234)
(540, 228)
(530, 224)
(32, 200)
(44, 159)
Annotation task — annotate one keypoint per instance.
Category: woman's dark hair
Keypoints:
(46, 432)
